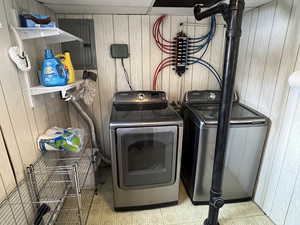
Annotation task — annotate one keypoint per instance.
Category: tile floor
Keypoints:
(184, 213)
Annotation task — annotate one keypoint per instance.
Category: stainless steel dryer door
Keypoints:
(146, 156)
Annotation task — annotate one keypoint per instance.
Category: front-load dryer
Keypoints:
(146, 140)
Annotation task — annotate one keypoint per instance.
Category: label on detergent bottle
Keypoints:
(48, 70)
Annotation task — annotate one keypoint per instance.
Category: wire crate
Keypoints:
(65, 182)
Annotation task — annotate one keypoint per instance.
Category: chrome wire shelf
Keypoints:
(16, 207)
(61, 180)
(66, 215)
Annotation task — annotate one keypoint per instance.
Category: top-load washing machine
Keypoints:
(146, 140)
(247, 134)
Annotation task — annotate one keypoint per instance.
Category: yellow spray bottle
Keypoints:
(66, 61)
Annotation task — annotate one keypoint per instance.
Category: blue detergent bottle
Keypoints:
(53, 71)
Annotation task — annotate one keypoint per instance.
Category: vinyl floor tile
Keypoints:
(185, 213)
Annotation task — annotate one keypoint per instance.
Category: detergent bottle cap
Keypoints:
(48, 54)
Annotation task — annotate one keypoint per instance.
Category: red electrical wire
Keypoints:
(158, 70)
(154, 32)
(164, 63)
(162, 47)
(157, 36)
(170, 63)
(156, 27)
(160, 39)
(166, 60)
(165, 48)
(160, 34)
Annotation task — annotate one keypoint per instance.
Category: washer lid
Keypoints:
(240, 114)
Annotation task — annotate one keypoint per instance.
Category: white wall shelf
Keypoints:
(40, 90)
(50, 35)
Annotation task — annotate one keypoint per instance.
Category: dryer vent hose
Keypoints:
(91, 125)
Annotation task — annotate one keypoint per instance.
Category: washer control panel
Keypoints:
(203, 97)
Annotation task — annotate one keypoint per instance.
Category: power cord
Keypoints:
(126, 74)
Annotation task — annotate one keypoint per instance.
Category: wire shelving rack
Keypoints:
(64, 181)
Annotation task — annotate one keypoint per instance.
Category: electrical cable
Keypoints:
(162, 47)
(209, 67)
(126, 74)
(214, 72)
(205, 50)
(196, 48)
(166, 48)
(160, 20)
(163, 64)
(209, 35)
(181, 49)
(203, 62)
(159, 33)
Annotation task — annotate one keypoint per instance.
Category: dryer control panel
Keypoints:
(140, 99)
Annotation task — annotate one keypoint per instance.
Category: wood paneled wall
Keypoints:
(20, 123)
(268, 55)
(135, 30)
